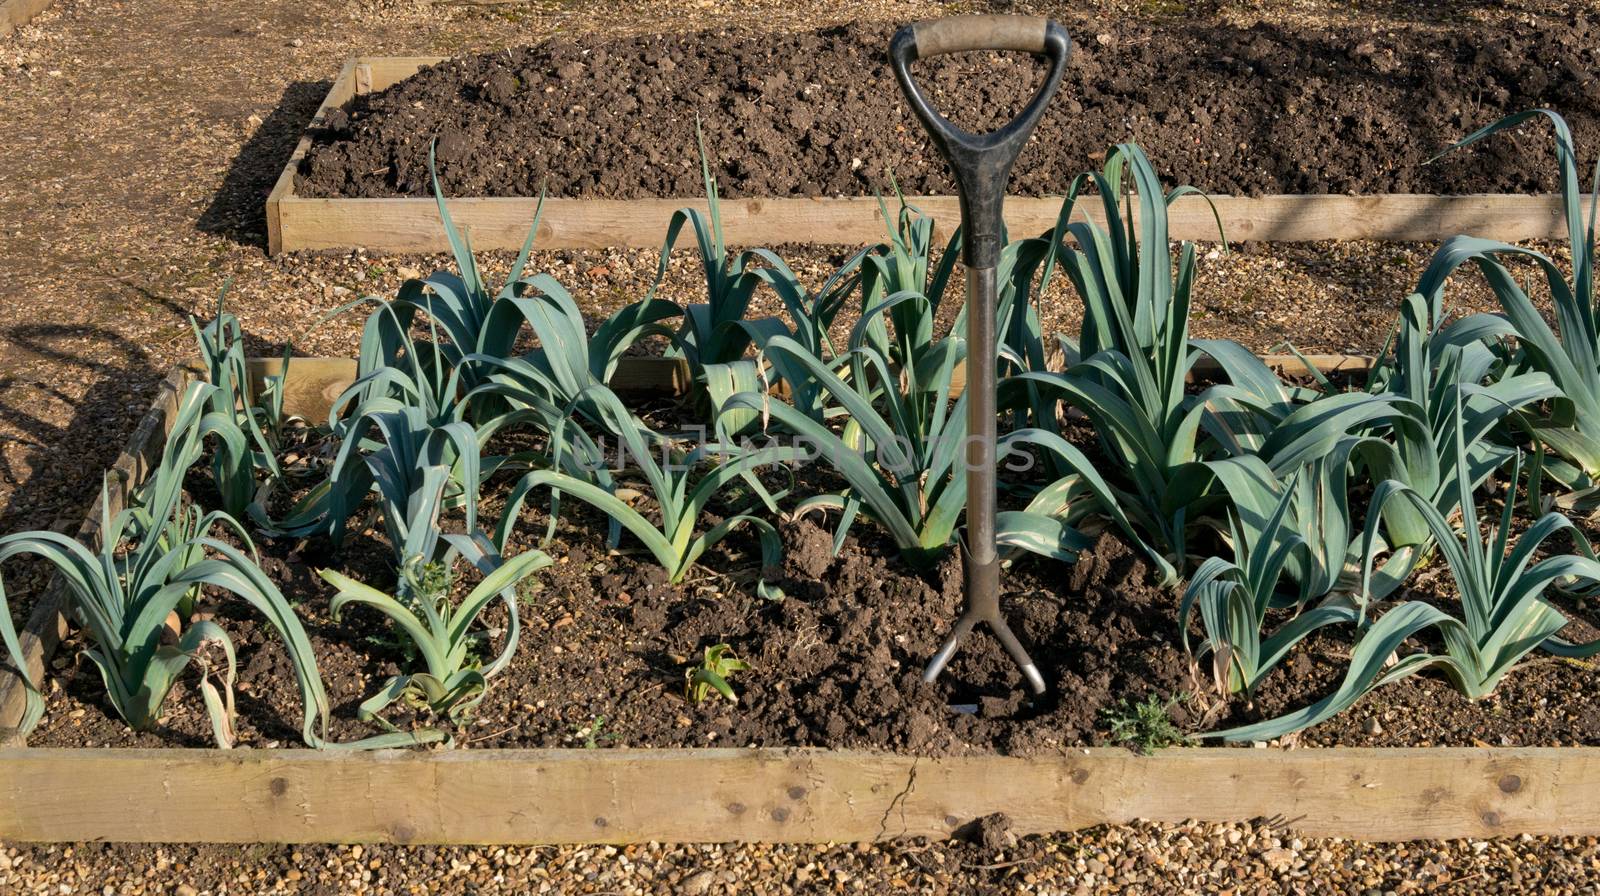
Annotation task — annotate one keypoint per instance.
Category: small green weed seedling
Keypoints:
(1145, 727)
(594, 733)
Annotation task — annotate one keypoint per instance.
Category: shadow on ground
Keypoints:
(59, 476)
(238, 211)
(61, 472)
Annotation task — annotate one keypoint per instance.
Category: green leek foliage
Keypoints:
(1570, 355)
(679, 496)
(448, 637)
(1134, 351)
(152, 558)
(1504, 614)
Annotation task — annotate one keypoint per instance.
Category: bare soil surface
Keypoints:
(608, 640)
(1229, 109)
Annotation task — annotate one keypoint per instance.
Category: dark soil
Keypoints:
(1237, 110)
(836, 664)
(607, 641)
(1546, 700)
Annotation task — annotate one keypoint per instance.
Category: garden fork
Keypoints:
(982, 166)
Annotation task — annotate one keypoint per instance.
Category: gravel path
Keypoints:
(142, 137)
(1238, 859)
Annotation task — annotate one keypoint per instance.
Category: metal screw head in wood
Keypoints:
(981, 164)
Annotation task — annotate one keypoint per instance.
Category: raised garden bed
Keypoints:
(1219, 552)
(768, 795)
(411, 225)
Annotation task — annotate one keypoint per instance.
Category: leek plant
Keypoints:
(811, 316)
(567, 359)
(419, 470)
(1394, 432)
(1421, 453)
(904, 464)
(151, 559)
(901, 268)
(903, 329)
(680, 498)
(463, 313)
(1234, 596)
(715, 335)
(1134, 350)
(408, 387)
(1283, 444)
(1504, 614)
(900, 288)
(447, 637)
(234, 466)
(711, 331)
(1287, 488)
(475, 330)
(904, 265)
(1441, 377)
(1572, 358)
(419, 465)
(901, 445)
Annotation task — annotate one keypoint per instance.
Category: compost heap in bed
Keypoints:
(1227, 109)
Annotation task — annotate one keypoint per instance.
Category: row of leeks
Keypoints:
(1319, 502)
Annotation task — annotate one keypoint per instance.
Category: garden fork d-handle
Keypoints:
(981, 162)
(982, 165)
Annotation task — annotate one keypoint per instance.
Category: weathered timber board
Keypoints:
(712, 795)
(16, 13)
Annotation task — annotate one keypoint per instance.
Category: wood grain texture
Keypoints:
(16, 13)
(386, 71)
(343, 90)
(47, 623)
(632, 796)
(314, 383)
(412, 225)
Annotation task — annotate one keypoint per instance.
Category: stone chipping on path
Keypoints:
(1254, 859)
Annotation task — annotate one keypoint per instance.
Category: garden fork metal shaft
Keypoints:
(981, 559)
(982, 166)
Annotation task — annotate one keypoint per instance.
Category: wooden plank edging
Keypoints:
(721, 795)
(314, 383)
(47, 624)
(411, 225)
(342, 92)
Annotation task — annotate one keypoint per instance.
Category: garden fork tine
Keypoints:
(982, 165)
